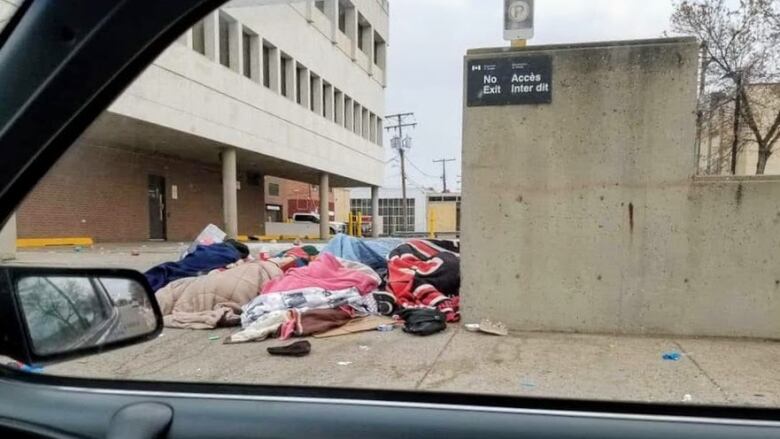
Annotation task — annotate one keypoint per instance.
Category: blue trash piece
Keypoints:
(672, 356)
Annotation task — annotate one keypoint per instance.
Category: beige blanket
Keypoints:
(206, 302)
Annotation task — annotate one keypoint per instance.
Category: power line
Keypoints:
(421, 171)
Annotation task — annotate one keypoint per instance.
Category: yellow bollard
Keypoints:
(431, 224)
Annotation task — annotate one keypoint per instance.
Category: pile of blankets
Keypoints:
(327, 283)
(300, 291)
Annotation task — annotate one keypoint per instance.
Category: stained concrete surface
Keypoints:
(711, 370)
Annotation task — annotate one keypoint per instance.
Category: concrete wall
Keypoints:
(292, 229)
(8, 239)
(583, 215)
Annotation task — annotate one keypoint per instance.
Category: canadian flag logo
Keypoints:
(476, 68)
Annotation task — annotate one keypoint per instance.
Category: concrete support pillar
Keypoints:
(211, 33)
(368, 47)
(8, 239)
(274, 69)
(230, 191)
(380, 131)
(365, 131)
(324, 206)
(290, 75)
(316, 95)
(304, 83)
(351, 18)
(357, 126)
(186, 38)
(375, 211)
(332, 12)
(309, 8)
(255, 58)
(338, 104)
(236, 46)
(329, 96)
(372, 128)
(380, 53)
(349, 114)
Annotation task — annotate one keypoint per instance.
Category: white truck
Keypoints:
(335, 227)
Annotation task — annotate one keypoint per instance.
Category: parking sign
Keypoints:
(518, 19)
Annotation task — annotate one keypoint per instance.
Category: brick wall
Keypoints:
(102, 193)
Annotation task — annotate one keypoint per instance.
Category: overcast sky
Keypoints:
(428, 39)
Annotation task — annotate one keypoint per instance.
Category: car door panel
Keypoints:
(88, 412)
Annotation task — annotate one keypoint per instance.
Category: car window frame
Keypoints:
(73, 127)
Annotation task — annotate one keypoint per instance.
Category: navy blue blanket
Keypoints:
(204, 259)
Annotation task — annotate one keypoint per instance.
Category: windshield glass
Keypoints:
(550, 199)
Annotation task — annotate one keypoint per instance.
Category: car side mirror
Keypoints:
(51, 314)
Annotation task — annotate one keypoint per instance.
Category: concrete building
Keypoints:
(717, 133)
(587, 198)
(294, 91)
(426, 210)
(391, 211)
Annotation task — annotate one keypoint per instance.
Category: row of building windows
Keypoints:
(391, 211)
(265, 63)
(368, 41)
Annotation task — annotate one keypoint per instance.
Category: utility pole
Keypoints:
(444, 173)
(401, 144)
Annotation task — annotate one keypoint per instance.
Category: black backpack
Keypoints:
(423, 321)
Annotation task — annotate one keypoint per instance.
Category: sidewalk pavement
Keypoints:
(711, 371)
(606, 367)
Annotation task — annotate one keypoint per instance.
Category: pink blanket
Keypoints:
(325, 272)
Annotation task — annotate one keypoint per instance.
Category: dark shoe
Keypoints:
(297, 349)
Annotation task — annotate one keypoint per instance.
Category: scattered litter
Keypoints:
(214, 337)
(364, 348)
(161, 334)
(687, 398)
(472, 327)
(344, 363)
(528, 384)
(494, 328)
(78, 249)
(25, 368)
(385, 328)
(671, 356)
(135, 253)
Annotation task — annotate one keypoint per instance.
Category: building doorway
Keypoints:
(157, 214)
(273, 213)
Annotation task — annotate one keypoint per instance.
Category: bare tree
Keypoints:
(740, 47)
